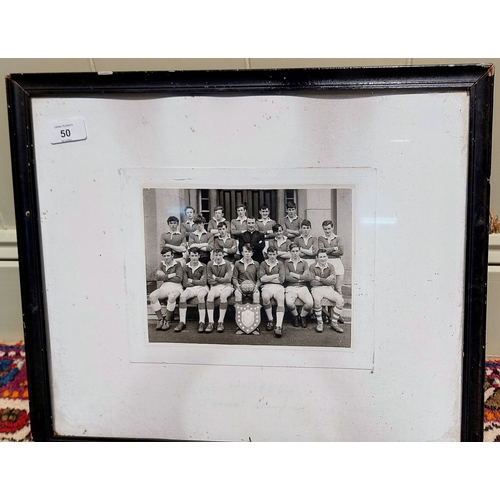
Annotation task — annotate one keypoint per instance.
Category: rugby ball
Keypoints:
(247, 286)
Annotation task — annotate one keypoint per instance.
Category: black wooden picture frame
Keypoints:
(475, 80)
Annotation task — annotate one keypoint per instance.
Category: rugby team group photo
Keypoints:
(228, 262)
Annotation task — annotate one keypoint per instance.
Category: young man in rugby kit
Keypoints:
(253, 238)
(188, 226)
(219, 276)
(272, 277)
(281, 243)
(224, 242)
(296, 279)
(239, 225)
(172, 274)
(195, 285)
(323, 287)
(246, 269)
(265, 225)
(335, 250)
(308, 244)
(212, 228)
(174, 239)
(200, 239)
(291, 222)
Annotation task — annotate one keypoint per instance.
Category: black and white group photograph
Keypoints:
(249, 267)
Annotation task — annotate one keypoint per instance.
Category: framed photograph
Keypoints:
(264, 255)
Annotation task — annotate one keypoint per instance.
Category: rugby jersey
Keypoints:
(329, 245)
(176, 268)
(229, 246)
(219, 273)
(317, 271)
(198, 275)
(310, 244)
(173, 238)
(242, 273)
(299, 267)
(293, 224)
(266, 269)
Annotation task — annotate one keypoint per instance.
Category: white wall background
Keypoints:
(415, 143)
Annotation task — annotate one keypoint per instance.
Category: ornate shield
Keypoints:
(247, 317)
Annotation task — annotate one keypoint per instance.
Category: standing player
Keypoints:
(195, 285)
(265, 225)
(199, 239)
(239, 225)
(296, 278)
(219, 275)
(335, 250)
(272, 277)
(323, 287)
(291, 222)
(188, 226)
(171, 273)
(174, 239)
(308, 244)
(213, 224)
(281, 242)
(224, 242)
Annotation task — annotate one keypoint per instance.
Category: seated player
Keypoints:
(219, 275)
(291, 222)
(200, 239)
(246, 269)
(281, 243)
(171, 273)
(195, 285)
(323, 287)
(212, 228)
(188, 226)
(272, 277)
(308, 244)
(224, 242)
(253, 238)
(174, 239)
(296, 279)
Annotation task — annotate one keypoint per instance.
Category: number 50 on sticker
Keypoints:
(67, 130)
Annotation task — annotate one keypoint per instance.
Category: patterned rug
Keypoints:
(14, 406)
(492, 401)
(14, 409)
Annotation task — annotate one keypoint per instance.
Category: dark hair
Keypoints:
(195, 250)
(251, 217)
(264, 206)
(276, 227)
(221, 224)
(291, 204)
(292, 246)
(165, 250)
(187, 208)
(218, 207)
(272, 248)
(327, 223)
(218, 250)
(321, 250)
(306, 223)
(247, 246)
(172, 218)
(199, 219)
(243, 205)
